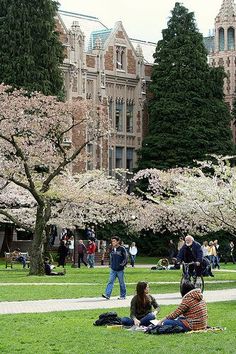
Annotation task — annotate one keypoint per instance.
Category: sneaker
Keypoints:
(121, 298)
(105, 297)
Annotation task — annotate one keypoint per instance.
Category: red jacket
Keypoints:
(91, 248)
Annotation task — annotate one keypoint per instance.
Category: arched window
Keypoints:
(231, 38)
(221, 39)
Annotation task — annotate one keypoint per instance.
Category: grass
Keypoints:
(71, 286)
(36, 288)
(73, 332)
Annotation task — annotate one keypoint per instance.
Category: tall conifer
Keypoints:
(188, 115)
(30, 49)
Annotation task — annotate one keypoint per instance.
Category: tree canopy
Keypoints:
(187, 113)
(34, 156)
(30, 49)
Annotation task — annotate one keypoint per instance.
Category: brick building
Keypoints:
(222, 49)
(107, 67)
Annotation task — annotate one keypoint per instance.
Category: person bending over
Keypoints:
(191, 313)
(141, 308)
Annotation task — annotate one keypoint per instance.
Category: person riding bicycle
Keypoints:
(191, 252)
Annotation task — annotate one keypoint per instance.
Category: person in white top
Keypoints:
(71, 245)
(205, 249)
(132, 252)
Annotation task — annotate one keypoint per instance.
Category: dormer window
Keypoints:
(120, 58)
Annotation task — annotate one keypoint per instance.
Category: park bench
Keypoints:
(10, 259)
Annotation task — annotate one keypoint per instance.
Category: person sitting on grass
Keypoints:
(48, 268)
(191, 314)
(141, 308)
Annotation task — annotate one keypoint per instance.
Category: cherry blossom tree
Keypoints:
(33, 155)
(198, 200)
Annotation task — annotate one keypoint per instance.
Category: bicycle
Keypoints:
(192, 277)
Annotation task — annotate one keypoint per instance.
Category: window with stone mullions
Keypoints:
(129, 118)
(120, 57)
(119, 117)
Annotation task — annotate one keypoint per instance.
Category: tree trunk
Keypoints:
(36, 254)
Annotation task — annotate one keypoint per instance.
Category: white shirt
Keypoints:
(133, 250)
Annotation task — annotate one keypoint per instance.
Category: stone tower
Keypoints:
(224, 52)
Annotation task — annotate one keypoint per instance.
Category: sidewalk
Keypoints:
(7, 307)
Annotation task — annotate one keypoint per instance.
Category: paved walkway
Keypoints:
(7, 307)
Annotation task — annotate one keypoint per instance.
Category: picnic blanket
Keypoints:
(208, 329)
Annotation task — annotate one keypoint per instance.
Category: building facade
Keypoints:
(106, 66)
(222, 50)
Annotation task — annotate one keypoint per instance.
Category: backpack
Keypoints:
(164, 329)
(108, 318)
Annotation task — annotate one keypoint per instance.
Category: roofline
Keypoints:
(142, 41)
(91, 18)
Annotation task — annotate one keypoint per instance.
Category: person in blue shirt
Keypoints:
(118, 260)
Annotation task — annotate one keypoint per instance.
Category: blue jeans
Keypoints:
(22, 260)
(132, 260)
(145, 321)
(90, 260)
(111, 281)
(177, 322)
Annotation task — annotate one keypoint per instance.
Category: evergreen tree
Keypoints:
(187, 113)
(30, 49)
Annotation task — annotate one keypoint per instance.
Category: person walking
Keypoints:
(62, 253)
(180, 243)
(91, 249)
(171, 249)
(118, 260)
(133, 252)
(231, 247)
(103, 251)
(81, 253)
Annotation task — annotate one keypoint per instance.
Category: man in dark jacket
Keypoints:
(191, 252)
(118, 260)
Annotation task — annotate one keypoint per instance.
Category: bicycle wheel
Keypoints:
(199, 283)
(185, 278)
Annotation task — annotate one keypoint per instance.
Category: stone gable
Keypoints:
(120, 34)
(90, 61)
(108, 58)
(131, 62)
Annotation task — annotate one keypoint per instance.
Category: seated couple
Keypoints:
(191, 314)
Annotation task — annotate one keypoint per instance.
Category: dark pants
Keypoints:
(145, 321)
(81, 258)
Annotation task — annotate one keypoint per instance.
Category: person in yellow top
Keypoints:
(212, 253)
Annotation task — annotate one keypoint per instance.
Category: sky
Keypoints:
(144, 19)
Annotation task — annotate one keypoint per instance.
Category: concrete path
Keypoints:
(8, 307)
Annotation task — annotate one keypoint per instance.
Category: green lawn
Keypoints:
(93, 283)
(73, 332)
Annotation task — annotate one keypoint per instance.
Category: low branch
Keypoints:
(16, 221)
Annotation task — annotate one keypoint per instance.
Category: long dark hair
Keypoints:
(142, 297)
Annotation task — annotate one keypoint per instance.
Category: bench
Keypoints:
(10, 259)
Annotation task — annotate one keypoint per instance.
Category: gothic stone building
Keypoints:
(222, 49)
(106, 66)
